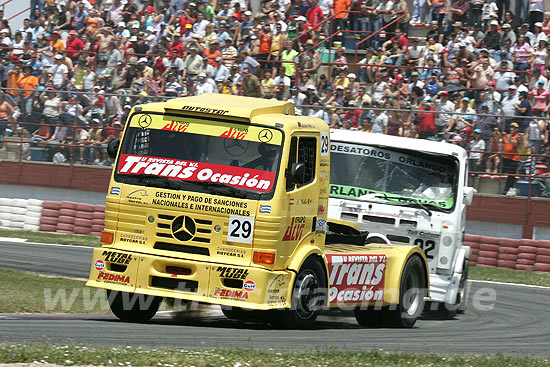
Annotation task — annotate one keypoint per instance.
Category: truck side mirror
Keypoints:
(469, 195)
(112, 148)
(297, 173)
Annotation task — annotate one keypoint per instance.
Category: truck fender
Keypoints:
(464, 253)
(303, 253)
(395, 268)
(377, 238)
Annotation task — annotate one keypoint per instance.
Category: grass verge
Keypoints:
(509, 276)
(48, 237)
(30, 293)
(75, 355)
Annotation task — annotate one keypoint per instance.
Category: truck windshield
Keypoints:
(199, 154)
(413, 178)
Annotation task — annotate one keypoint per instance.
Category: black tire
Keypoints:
(133, 307)
(242, 314)
(411, 300)
(370, 318)
(448, 311)
(462, 288)
(236, 313)
(308, 297)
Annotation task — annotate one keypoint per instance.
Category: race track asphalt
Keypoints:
(516, 323)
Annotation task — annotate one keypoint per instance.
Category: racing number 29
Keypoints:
(240, 229)
(426, 246)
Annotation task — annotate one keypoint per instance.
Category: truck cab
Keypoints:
(222, 200)
(407, 192)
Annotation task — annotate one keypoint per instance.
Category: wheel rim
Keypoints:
(305, 295)
(412, 298)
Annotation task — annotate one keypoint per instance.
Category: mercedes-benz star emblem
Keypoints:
(145, 120)
(265, 136)
(235, 147)
(183, 228)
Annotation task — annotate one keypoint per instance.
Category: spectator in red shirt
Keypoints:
(147, 7)
(302, 26)
(185, 19)
(176, 47)
(426, 124)
(314, 15)
(402, 40)
(74, 45)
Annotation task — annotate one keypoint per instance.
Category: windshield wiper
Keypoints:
(158, 181)
(402, 201)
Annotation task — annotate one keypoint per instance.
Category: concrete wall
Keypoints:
(48, 193)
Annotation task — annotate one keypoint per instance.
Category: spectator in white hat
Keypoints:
(539, 35)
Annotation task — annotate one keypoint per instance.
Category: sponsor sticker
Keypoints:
(321, 225)
(249, 286)
(117, 257)
(223, 293)
(99, 265)
(230, 251)
(113, 278)
(115, 190)
(356, 278)
(295, 230)
(233, 273)
(239, 177)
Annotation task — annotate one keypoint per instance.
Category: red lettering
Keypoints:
(234, 134)
(169, 126)
(293, 231)
(173, 126)
(227, 134)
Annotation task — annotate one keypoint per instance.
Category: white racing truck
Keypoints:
(406, 191)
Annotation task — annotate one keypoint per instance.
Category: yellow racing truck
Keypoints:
(223, 200)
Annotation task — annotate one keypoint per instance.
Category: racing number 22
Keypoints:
(427, 246)
(240, 229)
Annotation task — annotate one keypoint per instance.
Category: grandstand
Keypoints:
(469, 72)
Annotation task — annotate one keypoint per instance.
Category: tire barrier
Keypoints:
(523, 254)
(52, 216)
(23, 214)
(88, 219)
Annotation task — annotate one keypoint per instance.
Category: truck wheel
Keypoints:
(133, 307)
(370, 318)
(448, 311)
(411, 300)
(463, 302)
(411, 295)
(308, 297)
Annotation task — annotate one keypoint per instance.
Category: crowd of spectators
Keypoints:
(479, 78)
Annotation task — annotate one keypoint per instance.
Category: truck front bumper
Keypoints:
(228, 285)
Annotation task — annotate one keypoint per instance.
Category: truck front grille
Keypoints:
(202, 228)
